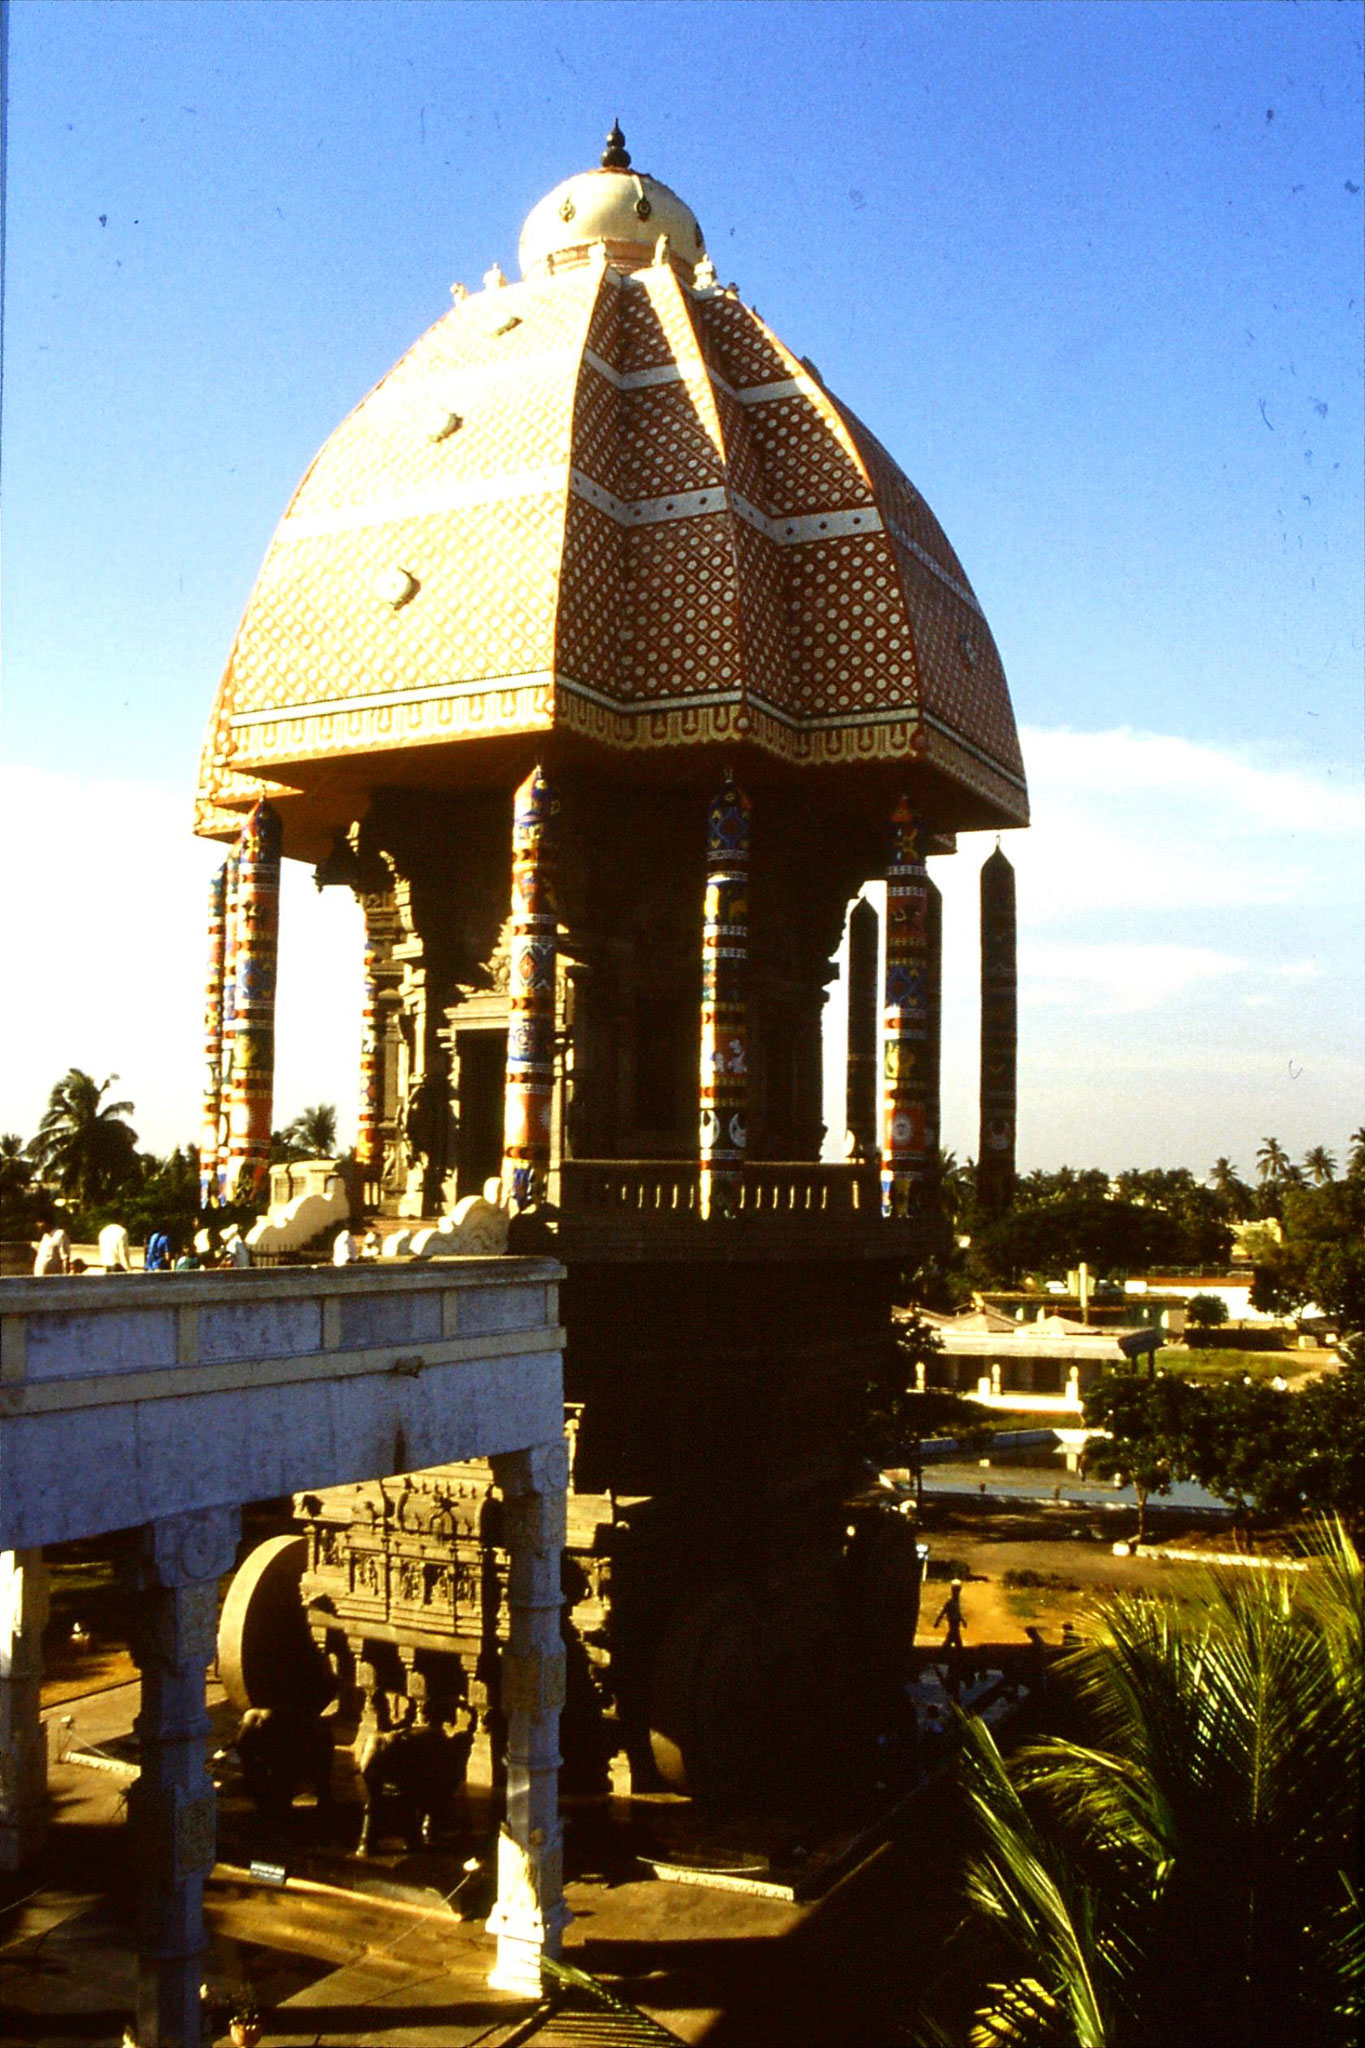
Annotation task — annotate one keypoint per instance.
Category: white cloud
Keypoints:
(103, 924)
(1125, 978)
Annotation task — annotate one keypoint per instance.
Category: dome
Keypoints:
(606, 509)
(615, 209)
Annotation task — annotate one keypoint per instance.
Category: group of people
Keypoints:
(52, 1251)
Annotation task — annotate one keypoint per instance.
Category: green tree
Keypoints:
(83, 1142)
(1188, 1870)
(1206, 1311)
(1322, 1258)
(1320, 1165)
(312, 1135)
(1146, 1427)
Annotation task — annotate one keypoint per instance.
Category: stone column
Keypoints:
(172, 1807)
(999, 1037)
(227, 1075)
(23, 1738)
(860, 1099)
(531, 1017)
(724, 1093)
(253, 1042)
(905, 1137)
(530, 1915)
(933, 1043)
(370, 1110)
(213, 1042)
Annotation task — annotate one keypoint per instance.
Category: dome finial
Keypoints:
(616, 157)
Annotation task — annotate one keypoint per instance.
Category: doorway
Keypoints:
(482, 1057)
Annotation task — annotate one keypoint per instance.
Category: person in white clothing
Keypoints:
(345, 1250)
(113, 1242)
(52, 1253)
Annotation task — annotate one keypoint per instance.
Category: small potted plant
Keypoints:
(244, 2021)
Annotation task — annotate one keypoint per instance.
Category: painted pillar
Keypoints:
(531, 1020)
(23, 1738)
(530, 1915)
(226, 1081)
(905, 1137)
(367, 1138)
(724, 1098)
(933, 1043)
(253, 1037)
(172, 1808)
(999, 1037)
(860, 1096)
(213, 1042)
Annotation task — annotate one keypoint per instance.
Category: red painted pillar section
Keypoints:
(213, 1041)
(531, 1022)
(253, 1037)
(905, 1093)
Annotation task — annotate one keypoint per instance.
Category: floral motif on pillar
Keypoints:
(724, 1002)
(213, 1042)
(999, 1036)
(905, 1083)
(253, 1037)
(531, 1018)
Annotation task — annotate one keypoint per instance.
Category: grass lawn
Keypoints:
(1207, 1367)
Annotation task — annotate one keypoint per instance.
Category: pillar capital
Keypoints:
(181, 1549)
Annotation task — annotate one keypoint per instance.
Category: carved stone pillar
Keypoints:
(724, 1133)
(213, 1041)
(999, 1036)
(253, 1037)
(226, 1081)
(23, 1738)
(860, 1101)
(904, 1091)
(172, 1808)
(531, 1016)
(530, 1915)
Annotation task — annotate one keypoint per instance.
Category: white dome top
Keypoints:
(618, 208)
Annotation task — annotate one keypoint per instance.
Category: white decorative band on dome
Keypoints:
(945, 576)
(795, 531)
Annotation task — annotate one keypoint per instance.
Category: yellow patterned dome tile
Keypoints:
(606, 499)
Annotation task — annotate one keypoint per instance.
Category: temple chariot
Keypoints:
(606, 656)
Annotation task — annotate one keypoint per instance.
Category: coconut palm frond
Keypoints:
(1025, 1885)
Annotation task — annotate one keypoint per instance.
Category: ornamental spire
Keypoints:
(616, 157)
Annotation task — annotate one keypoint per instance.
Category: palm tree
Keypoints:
(83, 1141)
(1355, 1160)
(16, 1169)
(1321, 1165)
(1272, 1161)
(1192, 1873)
(312, 1135)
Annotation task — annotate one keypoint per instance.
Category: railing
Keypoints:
(671, 1187)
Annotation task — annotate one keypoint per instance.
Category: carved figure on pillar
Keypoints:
(999, 1036)
(531, 1017)
(253, 1043)
(905, 1135)
(213, 1041)
(860, 1101)
(724, 1091)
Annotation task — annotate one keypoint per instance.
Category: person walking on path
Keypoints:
(951, 1612)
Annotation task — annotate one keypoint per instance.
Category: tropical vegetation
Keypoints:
(1183, 1865)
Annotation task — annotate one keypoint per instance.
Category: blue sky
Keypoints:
(1092, 272)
